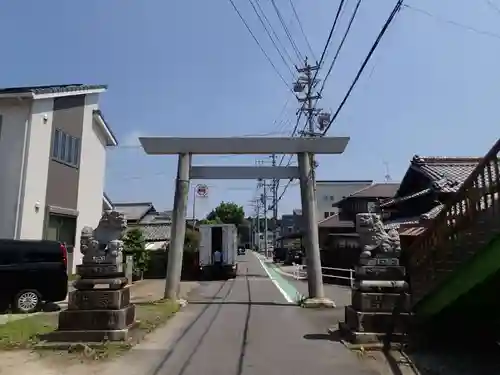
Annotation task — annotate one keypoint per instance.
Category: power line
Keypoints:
(277, 38)
(493, 6)
(287, 32)
(396, 9)
(302, 29)
(330, 34)
(451, 22)
(351, 20)
(258, 43)
(271, 38)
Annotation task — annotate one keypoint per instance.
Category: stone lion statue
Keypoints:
(374, 239)
(103, 244)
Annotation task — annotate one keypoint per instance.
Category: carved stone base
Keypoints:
(100, 270)
(380, 273)
(106, 320)
(113, 283)
(379, 261)
(382, 322)
(99, 299)
(90, 336)
(374, 302)
(373, 339)
(386, 286)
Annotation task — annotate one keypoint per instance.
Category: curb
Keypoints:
(288, 274)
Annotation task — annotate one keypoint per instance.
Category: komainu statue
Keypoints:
(103, 244)
(374, 239)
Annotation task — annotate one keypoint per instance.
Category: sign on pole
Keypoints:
(201, 191)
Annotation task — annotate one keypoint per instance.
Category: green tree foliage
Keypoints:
(227, 213)
(191, 240)
(135, 245)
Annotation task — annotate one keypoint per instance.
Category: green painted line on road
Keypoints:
(284, 283)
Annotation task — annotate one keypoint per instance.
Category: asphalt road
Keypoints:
(245, 326)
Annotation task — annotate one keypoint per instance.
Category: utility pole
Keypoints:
(275, 201)
(307, 165)
(263, 198)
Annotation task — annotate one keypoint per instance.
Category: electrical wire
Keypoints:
(260, 46)
(271, 38)
(395, 10)
(330, 34)
(287, 31)
(493, 6)
(276, 37)
(302, 29)
(451, 22)
(351, 20)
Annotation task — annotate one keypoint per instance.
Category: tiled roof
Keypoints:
(335, 222)
(433, 213)
(446, 173)
(395, 224)
(134, 211)
(391, 201)
(51, 89)
(377, 190)
(154, 232)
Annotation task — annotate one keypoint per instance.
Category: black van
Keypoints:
(32, 272)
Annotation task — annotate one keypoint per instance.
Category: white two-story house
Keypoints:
(53, 142)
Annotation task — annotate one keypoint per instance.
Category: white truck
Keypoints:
(222, 238)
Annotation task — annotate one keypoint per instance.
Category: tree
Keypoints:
(227, 213)
(191, 240)
(134, 244)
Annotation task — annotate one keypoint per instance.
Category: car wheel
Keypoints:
(27, 301)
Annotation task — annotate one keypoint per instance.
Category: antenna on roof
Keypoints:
(387, 176)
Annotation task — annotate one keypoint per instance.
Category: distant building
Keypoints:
(328, 193)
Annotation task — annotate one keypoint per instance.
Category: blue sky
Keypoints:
(190, 68)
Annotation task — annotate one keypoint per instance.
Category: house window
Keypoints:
(65, 148)
(326, 214)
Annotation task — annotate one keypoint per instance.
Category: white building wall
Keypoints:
(330, 192)
(37, 168)
(15, 115)
(92, 169)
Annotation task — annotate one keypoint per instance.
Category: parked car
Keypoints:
(32, 272)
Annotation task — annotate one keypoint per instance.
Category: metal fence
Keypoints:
(300, 273)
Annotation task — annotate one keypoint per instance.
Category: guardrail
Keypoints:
(300, 272)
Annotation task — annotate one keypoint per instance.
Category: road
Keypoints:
(246, 326)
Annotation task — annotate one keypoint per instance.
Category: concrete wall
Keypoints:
(15, 116)
(38, 156)
(330, 192)
(92, 170)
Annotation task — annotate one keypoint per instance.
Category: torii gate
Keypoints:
(303, 147)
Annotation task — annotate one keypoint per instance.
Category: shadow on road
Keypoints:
(334, 336)
(244, 303)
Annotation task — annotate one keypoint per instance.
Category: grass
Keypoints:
(24, 333)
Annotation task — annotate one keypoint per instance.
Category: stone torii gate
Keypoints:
(303, 147)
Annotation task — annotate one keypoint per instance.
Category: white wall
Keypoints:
(15, 115)
(92, 169)
(330, 192)
(37, 169)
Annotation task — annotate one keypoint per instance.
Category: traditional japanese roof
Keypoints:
(134, 211)
(391, 201)
(335, 222)
(154, 232)
(446, 174)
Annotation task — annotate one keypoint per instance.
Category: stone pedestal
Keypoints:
(380, 303)
(96, 315)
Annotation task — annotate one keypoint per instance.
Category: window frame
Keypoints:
(66, 149)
